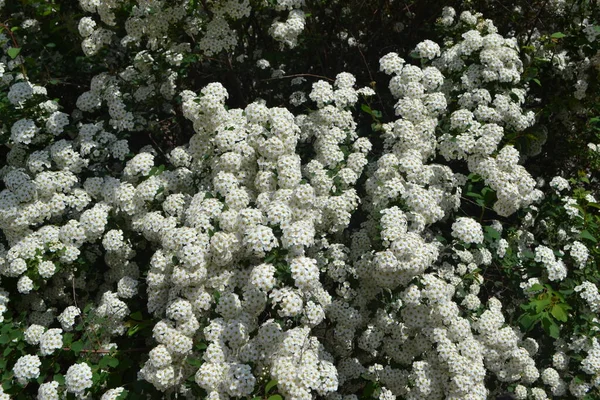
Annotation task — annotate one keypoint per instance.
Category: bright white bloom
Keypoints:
(78, 378)
(26, 368)
(51, 341)
(468, 230)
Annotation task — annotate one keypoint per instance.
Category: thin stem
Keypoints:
(299, 75)
(108, 351)
(535, 19)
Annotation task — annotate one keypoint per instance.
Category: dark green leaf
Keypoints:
(474, 195)
(195, 362)
(77, 346)
(137, 316)
(67, 339)
(491, 233)
(587, 235)
(201, 346)
(550, 326)
(4, 338)
(108, 361)
(527, 321)
(369, 389)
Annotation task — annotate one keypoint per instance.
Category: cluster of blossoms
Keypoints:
(317, 268)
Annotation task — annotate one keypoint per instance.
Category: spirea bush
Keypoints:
(299, 199)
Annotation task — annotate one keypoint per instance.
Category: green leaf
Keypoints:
(587, 235)
(540, 305)
(4, 338)
(369, 389)
(201, 346)
(195, 362)
(132, 331)
(558, 35)
(122, 395)
(108, 361)
(77, 346)
(559, 313)
(536, 80)
(491, 233)
(67, 339)
(137, 316)
(13, 52)
(554, 331)
(527, 321)
(275, 397)
(59, 378)
(272, 383)
(550, 327)
(474, 177)
(474, 195)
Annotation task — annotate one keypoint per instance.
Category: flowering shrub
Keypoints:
(176, 224)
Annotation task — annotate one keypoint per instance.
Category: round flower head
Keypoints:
(78, 378)
(26, 368)
(467, 230)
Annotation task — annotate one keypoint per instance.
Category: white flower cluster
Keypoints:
(287, 32)
(589, 292)
(253, 149)
(78, 378)
(468, 230)
(556, 269)
(249, 229)
(26, 368)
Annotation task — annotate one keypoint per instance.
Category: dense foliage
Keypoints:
(268, 199)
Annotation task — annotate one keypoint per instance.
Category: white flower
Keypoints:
(26, 368)
(468, 230)
(428, 49)
(78, 378)
(51, 341)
